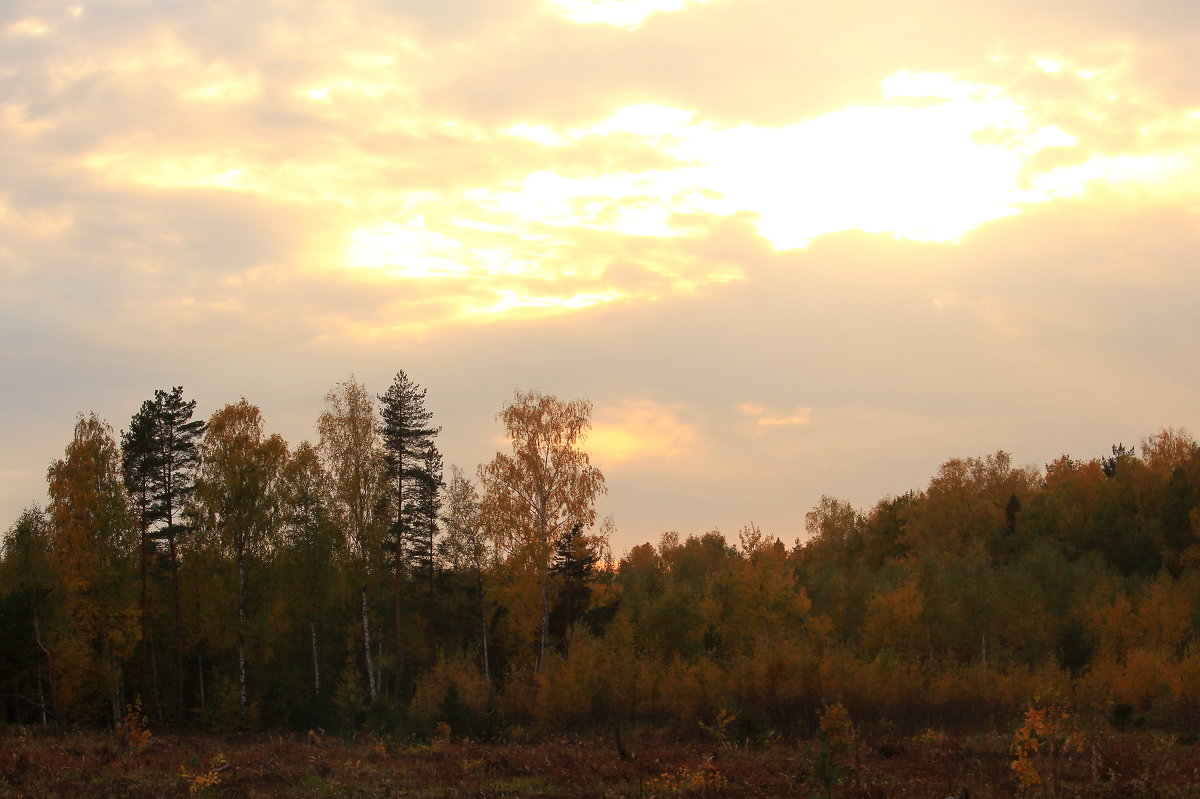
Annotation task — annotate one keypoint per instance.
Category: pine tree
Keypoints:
(139, 466)
(159, 462)
(421, 528)
(414, 475)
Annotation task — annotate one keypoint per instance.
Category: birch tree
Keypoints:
(349, 442)
(535, 495)
(238, 491)
(466, 550)
(311, 548)
(92, 546)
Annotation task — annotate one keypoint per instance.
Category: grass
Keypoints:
(83, 765)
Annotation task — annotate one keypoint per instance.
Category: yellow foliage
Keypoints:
(697, 689)
(432, 686)
(1040, 747)
(703, 780)
(893, 619)
(835, 728)
(1164, 615)
(203, 780)
(136, 728)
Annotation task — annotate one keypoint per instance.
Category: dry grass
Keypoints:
(88, 764)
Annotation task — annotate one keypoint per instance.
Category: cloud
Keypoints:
(641, 430)
(764, 420)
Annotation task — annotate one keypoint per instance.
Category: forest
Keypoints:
(205, 575)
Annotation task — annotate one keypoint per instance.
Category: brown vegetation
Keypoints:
(877, 765)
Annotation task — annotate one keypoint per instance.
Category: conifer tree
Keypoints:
(159, 462)
(574, 565)
(414, 478)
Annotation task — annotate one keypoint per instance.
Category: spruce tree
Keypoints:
(574, 564)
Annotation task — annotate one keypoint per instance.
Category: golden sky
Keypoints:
(786, 249)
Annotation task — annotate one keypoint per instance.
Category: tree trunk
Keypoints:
(41, 695)
(114, 701)
(545, 625)
(398, 566)
(200, 672)
(37, 637)
(366, 626)
(241, 641)
(150, 660)
(154, 677)
(487, 671)
(312, 627)
(179, 701)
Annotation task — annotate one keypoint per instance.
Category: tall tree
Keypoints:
(159, 459)
(535, 495)
(421, 520)
(92, 548)
(139, 468)
(349, 441)
(414, 479)
(238, 490)
(311, 546)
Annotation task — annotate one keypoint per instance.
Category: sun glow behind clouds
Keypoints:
(935, 157)
(628, 14)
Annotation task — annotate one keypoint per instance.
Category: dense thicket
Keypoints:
(341, 584)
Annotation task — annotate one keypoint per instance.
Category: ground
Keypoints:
(82, 765)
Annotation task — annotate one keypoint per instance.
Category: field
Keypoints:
(82, 765)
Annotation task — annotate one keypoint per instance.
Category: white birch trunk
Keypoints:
(366, 625)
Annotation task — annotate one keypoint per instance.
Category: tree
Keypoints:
(159, 460)
(421, 521)
(26, 581)
(414, 477)
(139, 467)
(547, 485)
(349, 440)
(238, 496)
(574, 565)
(92, 537)
(464, 548)
(310, 546)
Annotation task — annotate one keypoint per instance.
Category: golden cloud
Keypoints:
(641, 430)
(764, 419)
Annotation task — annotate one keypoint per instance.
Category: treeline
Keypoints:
(215, 577)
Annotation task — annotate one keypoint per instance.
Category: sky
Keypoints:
(785, 249)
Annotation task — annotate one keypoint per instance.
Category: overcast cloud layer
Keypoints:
(786, 249)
